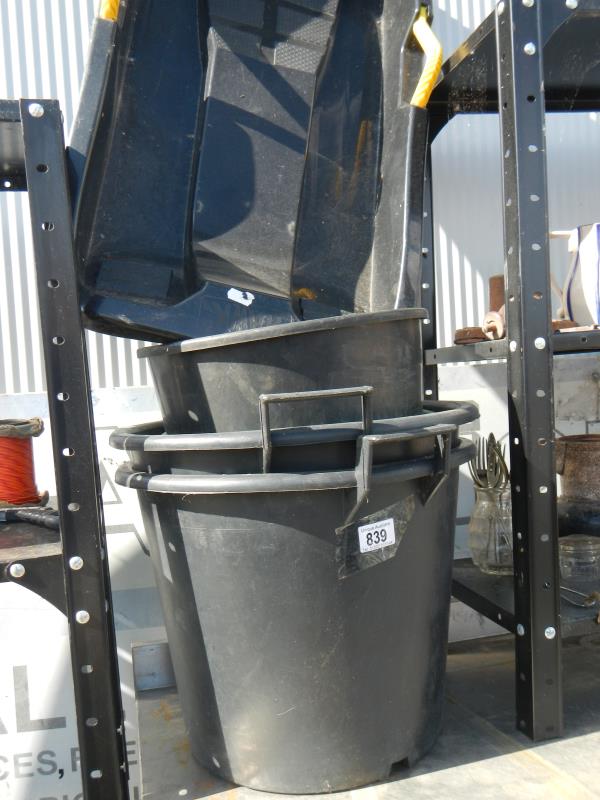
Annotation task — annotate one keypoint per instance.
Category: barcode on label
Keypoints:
(376, 535)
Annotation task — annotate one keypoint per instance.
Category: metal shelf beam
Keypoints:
(519, 43)
(493, 596)
(560, 344)
(569, 37)
(83, 576)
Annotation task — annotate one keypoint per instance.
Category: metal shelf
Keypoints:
(561, 343)
(38, 553)
(525, 59)
(469, 82)
(21, 542)
(493, 596)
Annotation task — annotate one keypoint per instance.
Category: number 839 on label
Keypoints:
(376, 535)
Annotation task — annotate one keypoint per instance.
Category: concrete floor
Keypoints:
(480, 754)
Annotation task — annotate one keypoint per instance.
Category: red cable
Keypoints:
(17, 478)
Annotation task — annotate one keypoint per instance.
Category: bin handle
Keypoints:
(265, 401)
(441, 469)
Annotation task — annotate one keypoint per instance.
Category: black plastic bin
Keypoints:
(303, 663)
(213, 384)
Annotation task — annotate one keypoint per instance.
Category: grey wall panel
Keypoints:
(43, 50)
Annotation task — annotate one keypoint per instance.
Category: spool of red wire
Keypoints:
(17, 476)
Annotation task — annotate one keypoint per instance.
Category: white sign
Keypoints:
(376, 535)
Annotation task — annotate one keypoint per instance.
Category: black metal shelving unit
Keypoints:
(527, 58)
(68, 568)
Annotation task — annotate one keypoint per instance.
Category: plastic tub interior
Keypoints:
(213, 384)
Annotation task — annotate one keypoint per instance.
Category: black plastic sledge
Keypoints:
(243, 163)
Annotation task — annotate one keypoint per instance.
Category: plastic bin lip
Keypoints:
(149, 437)
(282, 330)
(277, 482)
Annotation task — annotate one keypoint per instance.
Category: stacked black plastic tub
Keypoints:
(248, 176)
(300, 514)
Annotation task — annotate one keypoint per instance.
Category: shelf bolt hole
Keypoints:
(91, 722)
(543, 490)
(87, 669)
(530, 49)
(540, 343)
(513, 346)
(96, 773)
(58, 340)
(63, 396)
(16, 571)
(82, 617)
(47, 226)
(520, 630)
(73, 507)
(68, 452)
(42, 167)
(76, 563)
(550, 632)
(36, 110)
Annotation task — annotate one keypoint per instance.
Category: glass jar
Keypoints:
(490, 531)
(580, 557)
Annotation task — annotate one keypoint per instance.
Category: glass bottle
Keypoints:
(490, 531)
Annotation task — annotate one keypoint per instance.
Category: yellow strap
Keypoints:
(109, 9)
(433, 59)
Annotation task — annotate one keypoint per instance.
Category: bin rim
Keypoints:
(282, 330)
(279, 482)
(147, 437)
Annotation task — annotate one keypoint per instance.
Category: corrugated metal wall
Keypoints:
(44, 45)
